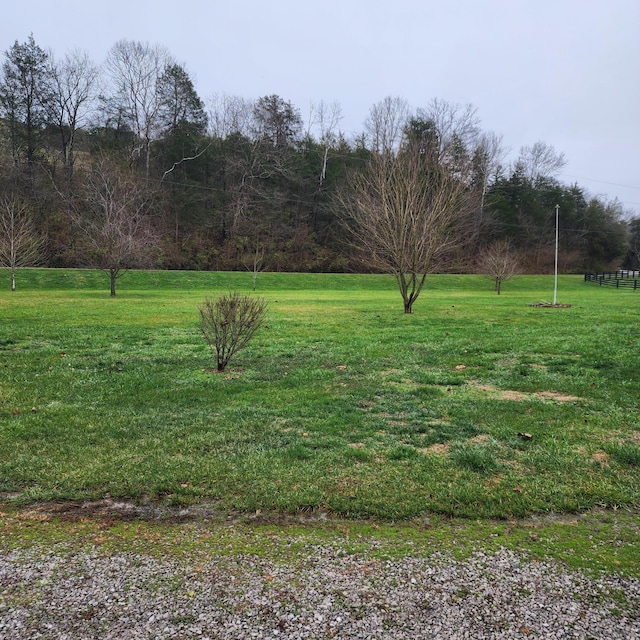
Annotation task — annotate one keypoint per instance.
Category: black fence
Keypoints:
(618, 279)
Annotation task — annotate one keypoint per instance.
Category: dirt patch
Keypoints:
(438, 448)
(521, 396)
(496, 392)
(601, 457)
(558, 397)
(551, 305)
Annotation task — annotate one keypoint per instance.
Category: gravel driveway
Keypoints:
(324, 594)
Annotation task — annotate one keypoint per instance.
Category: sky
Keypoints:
(564, 72)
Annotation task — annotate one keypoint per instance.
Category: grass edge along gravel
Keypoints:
(599, 542)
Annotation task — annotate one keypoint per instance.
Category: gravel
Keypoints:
(55, 594)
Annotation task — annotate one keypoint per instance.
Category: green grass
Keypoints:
(341, 404)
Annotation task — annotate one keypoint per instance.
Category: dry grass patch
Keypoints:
(438, 449)
(601, 457)
(521, 396)
(556, 396)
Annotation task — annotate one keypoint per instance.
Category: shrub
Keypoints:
(229, 322)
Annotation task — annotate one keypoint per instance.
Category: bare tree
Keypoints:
(135, 69)
(539, 161)
(74, 83)
(229, 322)
(488, 156)
(386, 124)
(117, 232)
(230, 115)
(406, 212)
(499, 263)
(20, 243)
(326, 118)
(254, 261)
(455, 127)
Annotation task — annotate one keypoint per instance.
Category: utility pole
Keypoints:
(555, 280)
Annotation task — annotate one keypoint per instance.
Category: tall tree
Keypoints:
(25, 94)
(277, 122)
(632, 259)
(385, 125)
(230, 115)
(406, 212)
(180, 107)
(539, 161)
(135, 70)
(74, 80)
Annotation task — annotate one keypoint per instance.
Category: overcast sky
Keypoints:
(566, 72)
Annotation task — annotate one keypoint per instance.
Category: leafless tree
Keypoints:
(539, 161)
(229, 322)
(500, 263)
(456, 128)
(74, 84)
(20, 243)
(134, 69)
(116, 230)
(254, 261)
(325, 117)
(489, 154)
(230, 115)
(385, 124)
(406, 213)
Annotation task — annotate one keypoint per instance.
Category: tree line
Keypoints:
(124, 165)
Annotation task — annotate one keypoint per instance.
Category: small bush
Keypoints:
(229, 322)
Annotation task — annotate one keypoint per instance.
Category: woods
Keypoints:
(215, 183)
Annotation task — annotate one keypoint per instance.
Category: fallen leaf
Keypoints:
(459, 367)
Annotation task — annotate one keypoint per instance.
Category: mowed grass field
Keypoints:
(476, 405)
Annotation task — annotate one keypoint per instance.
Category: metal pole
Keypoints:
(555, 280)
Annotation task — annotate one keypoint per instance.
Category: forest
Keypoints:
(123, 165)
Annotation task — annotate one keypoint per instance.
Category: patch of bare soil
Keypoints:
(110, 511)
(509, 394)
(558, 397)
(557, 305)
(437, 448)
(601, 457)
(482, 437)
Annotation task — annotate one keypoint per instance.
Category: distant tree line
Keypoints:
(124, 165)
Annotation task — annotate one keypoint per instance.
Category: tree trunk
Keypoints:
(113, 274)
(13, 280)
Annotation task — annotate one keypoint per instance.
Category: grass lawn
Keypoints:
(342, 403)
(394, 434)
